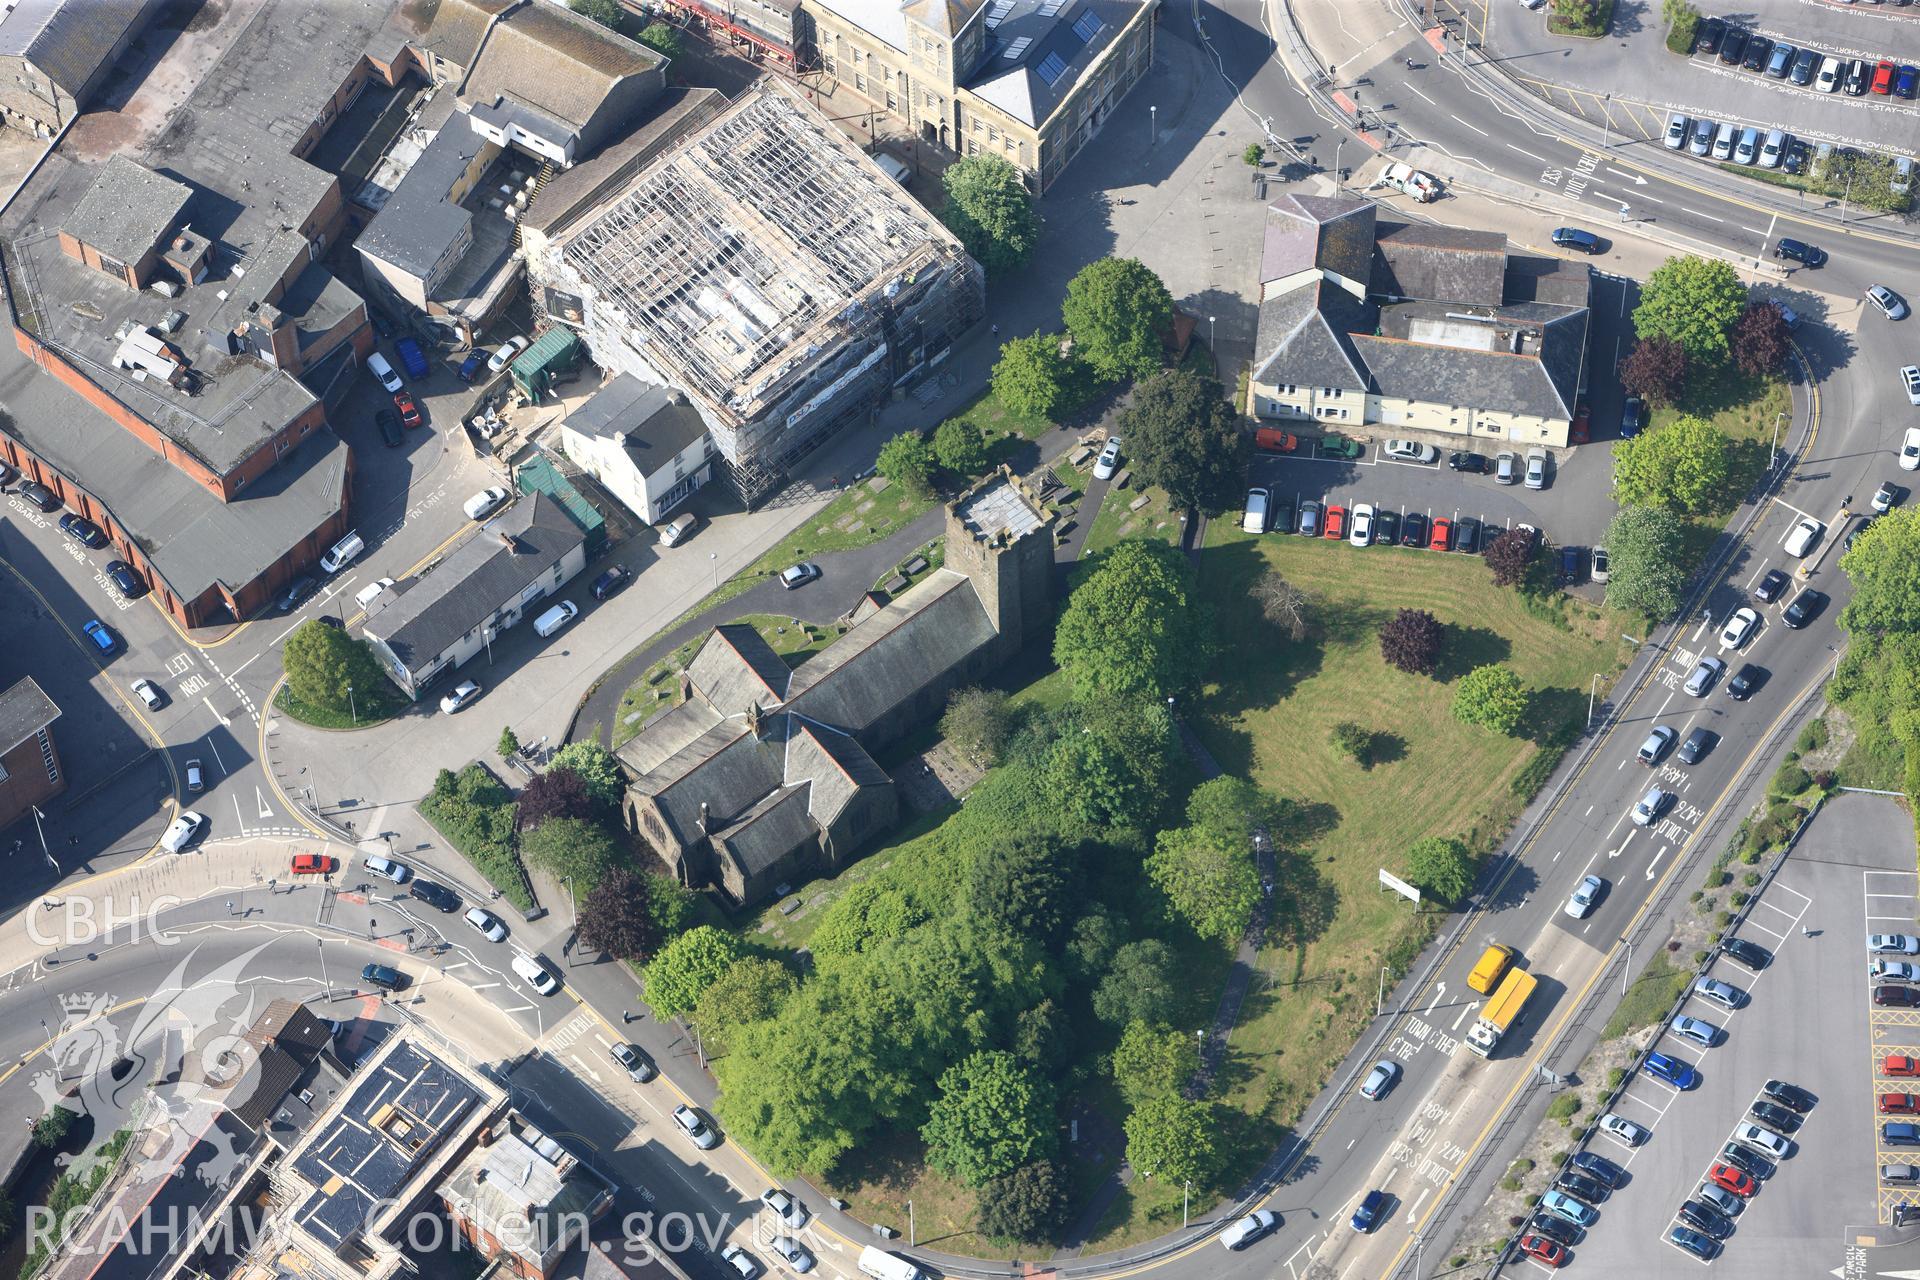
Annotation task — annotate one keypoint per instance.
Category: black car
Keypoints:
(1555, 1228)
(82, 530)
(1750, 954)
(1777, 1117)
(1413, 529)
(1575, 238)
(1791, 1096)
(1698, 743)
(1805, 608)
(297, 590)
(125, 580)
(1633, 416)
(1466, 534)
(1386, 528)
(1751, 1163)
(1759, 49)
(1771, 586)
(1465, 460)
(437, 896)
(1599, 1167)
(1855, 532)
(1799, 152)
(1582, 1187)
(379, 975)
(1711, 1221)
(1859, 72)
(39, 495)
(1732, 45)
(616, 577)
(1805, 63)
(1709, 35)
(1282, 521)
(389, 427)
(1745, 681)
(1800, 251)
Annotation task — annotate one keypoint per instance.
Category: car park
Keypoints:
(1413, 529)
(1380, 1080)
(484, 503)
(1366, 1215)
(1891, 304)
(1744, 682)
(1704, 673)
(639, 1067)
(1650, 806)
(486, 923)
(1362, 535)
(1410, 451)
(1799, 251)
(459, 696)
(1109, 460)
(798, 575)
(1562, 1205)
(1677, 1072)
(1761, 1139)
(437, 896)
(1723, 994)
(1698, 743)
(314, 864)
(387, 868)
(1805, 607)
(1739, 627)
(1584, 895)
(1576, 238)
(1910, 449)
(1625, 1130)
(1893, 944)
(183, 831)
(508, 350)
(695, 1126)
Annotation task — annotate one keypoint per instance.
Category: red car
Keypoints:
(409, 414)
(1883, 78)
(1336, 522)
(314, 864)
(1899, 1064)
(1582, 424)
(1442, 534)
(1899, 1104)
(1741, 1184)
(1537, 1246)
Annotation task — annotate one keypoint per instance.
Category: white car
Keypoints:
(1585, 894)
(484, 503)
(487, 923)
(793, 1253)
(1723, 994)
(1255, 519)
(1380, 1079)
(1894, 944)
(790, 1211)
(695, 1126)
(1602, 565)
(740, 1262)
(459, 696)
(1807, 531)
(1739, 627)
(1626, 1130)
(1704, 1034)
(504, 356)
(387, 868)
(1536, 469)
(1891, 304)
(1506, 467)
(1910, 379)
(1362, 532)
(1910, 449)
(1677, 131)
(1760, 1139)
(182, 830)
(1411, 451)
(1108, 461)
(149, 694)
(1650, 806)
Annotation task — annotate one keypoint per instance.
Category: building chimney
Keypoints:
(507, 541)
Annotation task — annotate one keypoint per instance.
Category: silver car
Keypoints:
(1506, 468)
(1536, 468)
(1704, 1034)
(1895, 970)
(1702, 141)
(1723, 994)
(1109, 460)
(1650, 806)
(1585, 894)
(1897, 944)
(1676, 131)
(695, 1126)
(1380, 1080)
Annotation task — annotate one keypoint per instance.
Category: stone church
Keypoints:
(764, 775)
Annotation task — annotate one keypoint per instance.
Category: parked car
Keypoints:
(1704, 1217)
(1336, 522)
(679, 529)
(1759, 47)
(638, 1066)
(1536, 469)
(1900, 1065)
(1578, 1184)
(614, 578)
(459, 696)
(1895, 944)
(82, 530)
(508, 350)
(1624, 1129)
(798, 575)
(1899, 1134)
(102, 636)
(1723, 994)
(740, 1262)
(409, 411)
(1780, 61)
(1362, 534)
(128, 583)
(471, 366)
(297, 591)
(1600, 565)
(484, 503)
(1859, 72)
(1410, 451)
(1466, 534)
(1693, 1242)
(1728, 1178)
(1413, 529)
(1442, 535)
(1465, 460)
(389, 426)
(1899, 1104)
(1677, 1072)
(1761, 1139)
(1309, 525)
(1775, 1116)
(1578, 1212)
(793, 1253)
(792, 1214)
(1805, 63)
(1386, 528)
(1254, 517)
(1750, 954)
(1677, 127)
(487, 923)
(1791, 1096)
(1746, 1161)
(695, 1126)
(1708, 35)
(437, 896)
(1910, 449)
(1543, 1250)
(1109, 460)
(1884, 970)
(1702, 140)
(1575, 238)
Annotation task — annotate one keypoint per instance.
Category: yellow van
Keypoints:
(1493, 962)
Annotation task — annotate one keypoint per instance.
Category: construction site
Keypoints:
(768, 269)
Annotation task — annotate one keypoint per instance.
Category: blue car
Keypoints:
(1672, 1070)
(1598, 1167)
(1694, 1243)
(1367, 1216)
(471, 366)
(1562, 1205)
(1907, 81)
(98, 633)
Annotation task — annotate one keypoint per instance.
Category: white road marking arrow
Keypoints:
(1438, 991)
(225, 723)
(262, 801)
(1656, 860)
(1464, 1010)
(1636, 179)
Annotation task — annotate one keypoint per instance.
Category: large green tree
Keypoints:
(1233, 808)
(1210, 879)
(1681, 465)
(663, 38)
(990, 209)
(1034, 380)
(1025, 1205)
(1647, 549)
(977, 724)
(323, 662)
(1442, 868)
(596, 764)
(1492, 697)
(748, 991)
(1118, 312)
(574, 850)
(960, 448)
(1183, 437)
(1884, 566)
(1020, 886)
(605, 12)
(1140, 986)
(1153, 1062)
(992, 1116)
(678, 976)
(907, 460)
(1135, 627)
(1176, 1140)
(1695, 302)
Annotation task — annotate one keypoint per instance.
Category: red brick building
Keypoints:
(30, 771)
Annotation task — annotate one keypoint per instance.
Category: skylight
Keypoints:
(1087, 26)
(1051, 68)
(1017, 48)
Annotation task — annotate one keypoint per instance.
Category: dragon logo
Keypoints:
(165, 1076)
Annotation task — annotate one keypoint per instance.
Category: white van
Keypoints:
(555, 618)
(892, 167)
(882, 1265)
(371, 592)
(343, 553)
(1255, 520)
(377, 364)
(535, 974)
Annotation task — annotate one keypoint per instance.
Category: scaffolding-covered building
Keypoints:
(768, 269)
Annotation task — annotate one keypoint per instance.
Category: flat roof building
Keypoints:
(30, 769)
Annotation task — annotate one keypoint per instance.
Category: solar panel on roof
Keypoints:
(1051, 68)
(998, 14)
(1052, 7)
(1087, 26)
(1017, 48)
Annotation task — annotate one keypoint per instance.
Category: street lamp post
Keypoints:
(1153, 118)
(1592, 689)
(1627, 968)
(353, 706)
(1773, 454)
(42, 832)
(1185, 1188)
(1211, 344)
(574, 912)
(1606, 124)
(1380, 1000)
(1338, 143)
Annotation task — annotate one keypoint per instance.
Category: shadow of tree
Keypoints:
(1554, 716)
(1464, 648)
(1384, 748)
(1304, 901)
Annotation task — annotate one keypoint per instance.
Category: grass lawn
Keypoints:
(1745, 410)
(1155, 519)
(657, 689)
(1272, 722)
(370, 707)
(934, 552)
